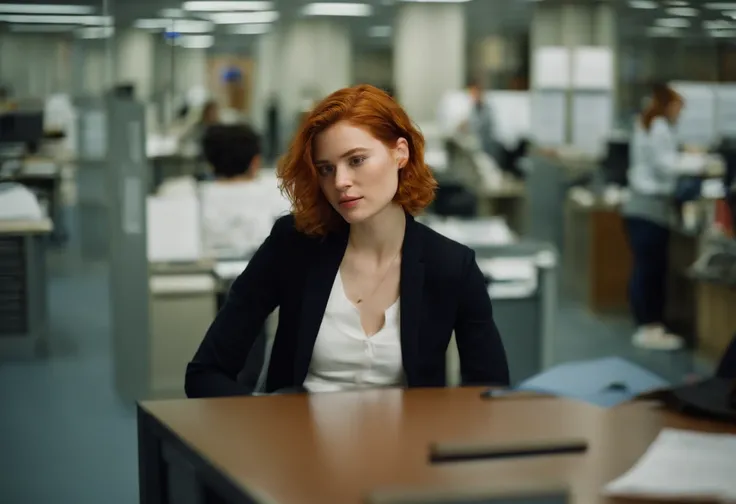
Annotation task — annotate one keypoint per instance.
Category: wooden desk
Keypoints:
(597, 257)
(336, 448)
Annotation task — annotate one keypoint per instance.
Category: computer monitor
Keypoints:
(21, 127)
(615, 166)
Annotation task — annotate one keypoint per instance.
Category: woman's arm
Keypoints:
(253, 296)
(482, 356)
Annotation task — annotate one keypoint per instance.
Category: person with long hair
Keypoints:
(649, 215)
(367, 296)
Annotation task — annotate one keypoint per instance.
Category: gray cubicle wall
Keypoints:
(93, 194)
(527, 323)
(546, 186)
(127, 170)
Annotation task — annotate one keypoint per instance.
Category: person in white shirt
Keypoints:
(241, 204)
(649, 215)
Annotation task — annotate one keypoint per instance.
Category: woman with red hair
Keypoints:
(367, 296)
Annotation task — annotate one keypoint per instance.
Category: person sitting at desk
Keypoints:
(239, 206)
(367, 296)
(649, 214)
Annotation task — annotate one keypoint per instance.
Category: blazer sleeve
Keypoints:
(253, 296)
(482, 355)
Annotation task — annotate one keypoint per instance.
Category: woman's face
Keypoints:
(358, 174)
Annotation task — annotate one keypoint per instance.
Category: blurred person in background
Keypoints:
(649, 214)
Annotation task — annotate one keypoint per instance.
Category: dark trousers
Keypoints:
(649, 244)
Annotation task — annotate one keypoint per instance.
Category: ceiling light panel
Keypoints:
(682, 11)
(244, 17)
(46, 9)
(337, 9)
(53, 19)
(643, 4)
(227, 6)
(673, 22)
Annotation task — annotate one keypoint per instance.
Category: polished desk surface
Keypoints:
(340, 447)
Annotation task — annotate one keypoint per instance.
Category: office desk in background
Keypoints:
(337, 448)
(23, 298)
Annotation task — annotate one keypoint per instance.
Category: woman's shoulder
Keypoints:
(444, 252)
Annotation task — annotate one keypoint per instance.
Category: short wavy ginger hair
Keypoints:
(366, 107)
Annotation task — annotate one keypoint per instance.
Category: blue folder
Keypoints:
(604, 382)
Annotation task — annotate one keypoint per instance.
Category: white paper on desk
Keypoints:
(682, 464)
(691, 163)
(475, 232)
(173, 229)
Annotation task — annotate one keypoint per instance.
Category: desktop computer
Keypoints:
(21, 127)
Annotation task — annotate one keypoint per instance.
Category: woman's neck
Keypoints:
(382, 235)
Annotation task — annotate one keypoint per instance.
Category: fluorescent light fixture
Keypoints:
(436, 1)
(677, 3)
(153, 24)
(682, 11)
(723, 34)
(731, 14)
(195, 41)
(643, 4)
(251, 29)
(81, 20)
(673, 22)
(172, 13)
(192, 26)
(30, 28)
(45, 9)
(227, 6)
(97, 32)
(379, 31)
(718, 24)
(720, 6)
(337, 9)
(662, 31)
(244, 17)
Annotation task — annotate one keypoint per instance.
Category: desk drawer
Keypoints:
(13, 287)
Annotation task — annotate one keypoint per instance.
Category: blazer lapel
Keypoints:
(316, 293)
(410, 289)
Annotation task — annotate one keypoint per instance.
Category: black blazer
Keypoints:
(441, 288)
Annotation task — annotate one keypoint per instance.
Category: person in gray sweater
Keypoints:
(649, 215)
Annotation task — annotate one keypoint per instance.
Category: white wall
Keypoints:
(35, 65)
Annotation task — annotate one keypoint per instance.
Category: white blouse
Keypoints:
(344, 358)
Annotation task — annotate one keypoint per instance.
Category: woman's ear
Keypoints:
(402, 152)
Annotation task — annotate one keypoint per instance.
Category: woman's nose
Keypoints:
(343, 179)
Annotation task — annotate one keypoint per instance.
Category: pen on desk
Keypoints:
(456, 452)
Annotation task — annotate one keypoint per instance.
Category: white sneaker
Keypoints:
(655, 338)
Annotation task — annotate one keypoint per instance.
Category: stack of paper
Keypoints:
(682, 465)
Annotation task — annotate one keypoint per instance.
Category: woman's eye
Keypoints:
(324, 170)
(357, 161)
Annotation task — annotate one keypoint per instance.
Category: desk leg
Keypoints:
(151, 467)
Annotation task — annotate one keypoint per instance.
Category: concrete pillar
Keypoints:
(266, 76)
(315, 60)
(135, 61)
(429, 56)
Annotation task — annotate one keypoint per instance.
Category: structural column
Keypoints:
(315, 60)
(266, 77)
(134, 62)
(429, 55)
